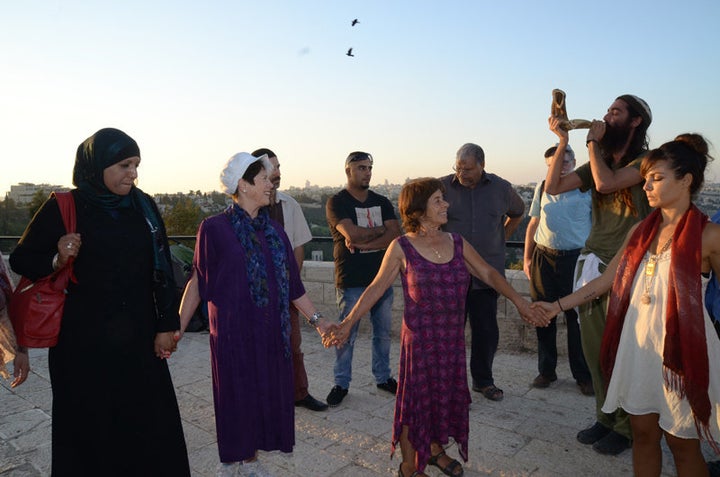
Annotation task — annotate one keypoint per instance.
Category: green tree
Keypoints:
(183, 218)
(38, 199)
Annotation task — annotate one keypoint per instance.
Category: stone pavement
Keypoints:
(530, 433)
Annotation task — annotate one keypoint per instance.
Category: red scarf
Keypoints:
(685, 359)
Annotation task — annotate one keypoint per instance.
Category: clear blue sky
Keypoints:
(195, 82)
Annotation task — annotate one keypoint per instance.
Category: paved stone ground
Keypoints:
(530, 433)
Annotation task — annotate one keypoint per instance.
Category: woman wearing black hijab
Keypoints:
(114, 410)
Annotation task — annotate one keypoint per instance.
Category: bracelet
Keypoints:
(313, 320)
(559, 305)
(55, 263)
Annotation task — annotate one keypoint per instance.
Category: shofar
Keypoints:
(558, 109)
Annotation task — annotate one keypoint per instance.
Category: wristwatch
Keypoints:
(313, 320)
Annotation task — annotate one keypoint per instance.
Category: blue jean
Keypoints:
(381, 318)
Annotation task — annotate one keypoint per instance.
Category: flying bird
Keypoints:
(349, 53)
(355, 22)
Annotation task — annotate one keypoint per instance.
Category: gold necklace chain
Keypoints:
(434, 250)
(650, 269)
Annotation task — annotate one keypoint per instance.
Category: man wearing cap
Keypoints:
(558, 227)
(616, 147)
(485, 210)
(362, 224)
(287, 212)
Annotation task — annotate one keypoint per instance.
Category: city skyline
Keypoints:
(194, 84)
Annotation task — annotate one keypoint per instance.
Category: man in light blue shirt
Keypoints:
(556, 233)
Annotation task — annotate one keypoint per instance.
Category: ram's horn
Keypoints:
(559, 110)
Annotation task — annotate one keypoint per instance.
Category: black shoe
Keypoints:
(593, 434)
(587, 388)
(612, 444)
(714, 468)
(311, 403)
(337, 394)
(541, 381)
(390, 386)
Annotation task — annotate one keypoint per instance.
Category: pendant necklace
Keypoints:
(437, 254)
(423, 233)
(649, 277)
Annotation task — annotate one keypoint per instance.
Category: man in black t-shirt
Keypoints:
(362, 224)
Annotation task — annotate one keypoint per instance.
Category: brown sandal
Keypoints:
(492, 393)
(449, 469)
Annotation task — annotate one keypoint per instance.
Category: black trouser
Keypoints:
(481, 310)
(551, 277)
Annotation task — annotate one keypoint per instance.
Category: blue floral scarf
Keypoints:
(249, 232)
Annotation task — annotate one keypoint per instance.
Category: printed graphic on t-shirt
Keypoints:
(368, 217)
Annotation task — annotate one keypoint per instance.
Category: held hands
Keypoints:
(337, 335)
(166, 343)
(532, 314)
(21, 367)
(550, 310)
(327, 332)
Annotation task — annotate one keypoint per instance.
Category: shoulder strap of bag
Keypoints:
(66, 202)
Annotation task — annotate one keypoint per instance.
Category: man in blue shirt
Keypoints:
(556, 233)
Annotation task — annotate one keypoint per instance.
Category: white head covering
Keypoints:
(235, 168)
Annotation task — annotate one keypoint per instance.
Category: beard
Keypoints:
(615, 137)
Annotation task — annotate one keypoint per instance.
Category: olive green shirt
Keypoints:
(611, 218)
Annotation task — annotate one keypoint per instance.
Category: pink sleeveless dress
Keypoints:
(433, 398)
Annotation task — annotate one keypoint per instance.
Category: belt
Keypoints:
(558, 253)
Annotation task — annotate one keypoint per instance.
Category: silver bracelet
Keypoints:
(313, 320)
(55, 261)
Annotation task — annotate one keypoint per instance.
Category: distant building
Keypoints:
(23, 193)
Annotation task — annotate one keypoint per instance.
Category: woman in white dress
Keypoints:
(660, 353)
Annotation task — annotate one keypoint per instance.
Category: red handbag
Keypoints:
(36, 308)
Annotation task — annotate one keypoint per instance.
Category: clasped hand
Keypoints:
(166, 343)
(533, 314)
(335, 334)
(549, 310)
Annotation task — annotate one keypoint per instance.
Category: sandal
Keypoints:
(448, 469)
(492, 393)
(414, 474)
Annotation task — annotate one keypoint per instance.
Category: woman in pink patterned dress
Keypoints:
(435, 267)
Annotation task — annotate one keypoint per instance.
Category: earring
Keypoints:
(244, 190)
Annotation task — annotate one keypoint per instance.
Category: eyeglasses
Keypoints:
(464, 170)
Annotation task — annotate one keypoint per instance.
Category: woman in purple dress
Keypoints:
(435, 267)
(244, 268)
